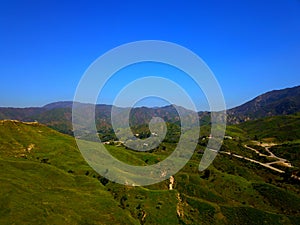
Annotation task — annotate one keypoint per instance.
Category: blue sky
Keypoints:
(46, 46)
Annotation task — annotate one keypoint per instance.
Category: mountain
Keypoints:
(58, 105)
(58, 115)
(277, 102)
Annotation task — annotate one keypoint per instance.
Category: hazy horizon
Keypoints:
(46, 47)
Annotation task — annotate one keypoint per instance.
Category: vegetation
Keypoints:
(45, 180)
(277, 128)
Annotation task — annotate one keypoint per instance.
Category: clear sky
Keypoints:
(46, 46)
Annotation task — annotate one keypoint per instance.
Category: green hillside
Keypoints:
(44, 180)
(281, 128)
(39, 185)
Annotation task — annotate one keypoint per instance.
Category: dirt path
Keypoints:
(280, 161)
(254, 161)
(171, 183)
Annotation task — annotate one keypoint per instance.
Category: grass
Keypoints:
(249, 215)
(34, 193)
(288, 151)
(284, 200)
(280, 128)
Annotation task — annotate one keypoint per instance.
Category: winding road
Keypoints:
(280, 161)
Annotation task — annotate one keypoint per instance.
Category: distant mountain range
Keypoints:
(273, 103)
(58, 115)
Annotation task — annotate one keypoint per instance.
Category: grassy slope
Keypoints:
(281, 128)
(32, 192)
(65, 190)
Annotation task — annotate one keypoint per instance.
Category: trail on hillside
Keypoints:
(279, 161)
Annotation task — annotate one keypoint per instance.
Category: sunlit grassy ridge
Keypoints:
(38, 186)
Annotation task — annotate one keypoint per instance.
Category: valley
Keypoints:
(233, 185)
(254, 178)
(150, 112)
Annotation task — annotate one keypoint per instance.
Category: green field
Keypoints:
(45, 180)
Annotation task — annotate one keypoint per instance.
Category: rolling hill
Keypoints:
(45, 180)
(38, 183)
(253, 180)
